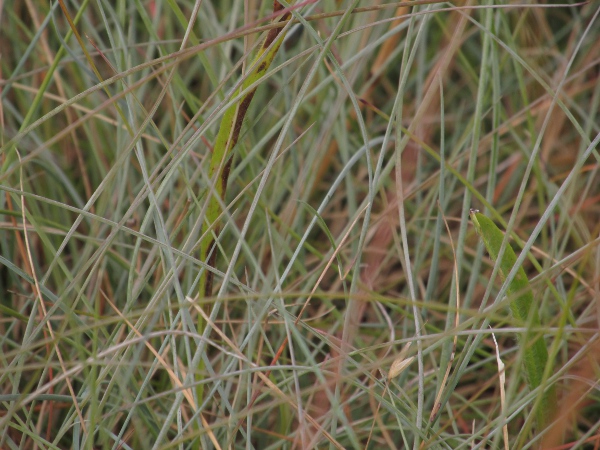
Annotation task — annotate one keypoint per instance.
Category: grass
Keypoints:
(343, 244)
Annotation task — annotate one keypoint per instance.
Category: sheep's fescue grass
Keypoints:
(369, 128)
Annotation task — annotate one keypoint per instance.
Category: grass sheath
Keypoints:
(535, 356)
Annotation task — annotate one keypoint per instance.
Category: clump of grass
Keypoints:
(330, 253)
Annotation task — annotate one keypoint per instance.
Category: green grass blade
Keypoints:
(535, 353)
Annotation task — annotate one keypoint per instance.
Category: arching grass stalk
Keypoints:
(535, 354)
(220, 163)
